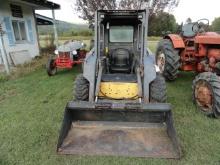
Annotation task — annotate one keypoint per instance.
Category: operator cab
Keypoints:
(120, 56)
(120, 37)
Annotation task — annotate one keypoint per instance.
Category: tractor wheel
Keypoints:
(168, 59)
(158, 91)
(91, 44)
(206, 93)
(51, 67)
(81, 88)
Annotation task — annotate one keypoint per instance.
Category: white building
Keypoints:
(19, 42)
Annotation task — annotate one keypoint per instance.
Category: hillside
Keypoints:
(62, 27)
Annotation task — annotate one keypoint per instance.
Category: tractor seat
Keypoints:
(120, 61)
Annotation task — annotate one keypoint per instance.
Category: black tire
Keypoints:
(92, 44)
(158, 91)
(212, 82)
(82, 67)
(172, 59)
(81, 89)
(51, 68)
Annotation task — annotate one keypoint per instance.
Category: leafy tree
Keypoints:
(216, 24)
(87, 8)
(162, 23)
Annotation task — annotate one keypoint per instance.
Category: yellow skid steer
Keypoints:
(119, 107)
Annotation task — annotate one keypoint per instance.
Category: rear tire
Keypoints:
(209, 82)
(158, 91)
(91, 44)
(51, 67)
(81, 89)
(169, 66)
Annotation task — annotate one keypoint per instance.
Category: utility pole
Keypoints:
(3, 51)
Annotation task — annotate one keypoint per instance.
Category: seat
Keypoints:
(120, 61)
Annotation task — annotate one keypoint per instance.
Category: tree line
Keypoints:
(160, 22)
(216, 25)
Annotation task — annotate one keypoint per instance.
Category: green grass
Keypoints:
(31, 112)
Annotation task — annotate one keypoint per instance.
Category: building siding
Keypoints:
(31, 45)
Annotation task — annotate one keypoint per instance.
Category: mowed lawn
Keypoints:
(31, 112)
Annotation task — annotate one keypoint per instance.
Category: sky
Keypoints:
(195, 9)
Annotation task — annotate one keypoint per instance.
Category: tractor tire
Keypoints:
(168, 59)
(206, 93)
(92, 44)
(51, 68)
(158, 91)
(81, 89)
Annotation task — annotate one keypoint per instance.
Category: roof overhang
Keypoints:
(43, 20)
(39, 4)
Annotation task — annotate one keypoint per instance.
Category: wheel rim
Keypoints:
(161, 60)
(204, 96)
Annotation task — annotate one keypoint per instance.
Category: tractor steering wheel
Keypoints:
(200, 26)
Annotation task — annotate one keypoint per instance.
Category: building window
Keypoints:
(19, 30)
(16, 11)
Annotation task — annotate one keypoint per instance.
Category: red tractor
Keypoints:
(66, 56)
(194, 49)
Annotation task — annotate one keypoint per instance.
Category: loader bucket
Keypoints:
(136, 130)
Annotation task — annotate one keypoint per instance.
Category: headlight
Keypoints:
(74, 52)
(56, 52)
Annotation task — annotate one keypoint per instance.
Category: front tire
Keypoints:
(168, 59)
(51, 67)
(158, 91)
(81, 88)
(92, 44)
(206, 93)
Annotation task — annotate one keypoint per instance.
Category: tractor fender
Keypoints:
(176, 40)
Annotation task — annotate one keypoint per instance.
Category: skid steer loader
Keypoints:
(119, 107)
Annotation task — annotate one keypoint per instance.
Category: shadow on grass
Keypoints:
(75, 69)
